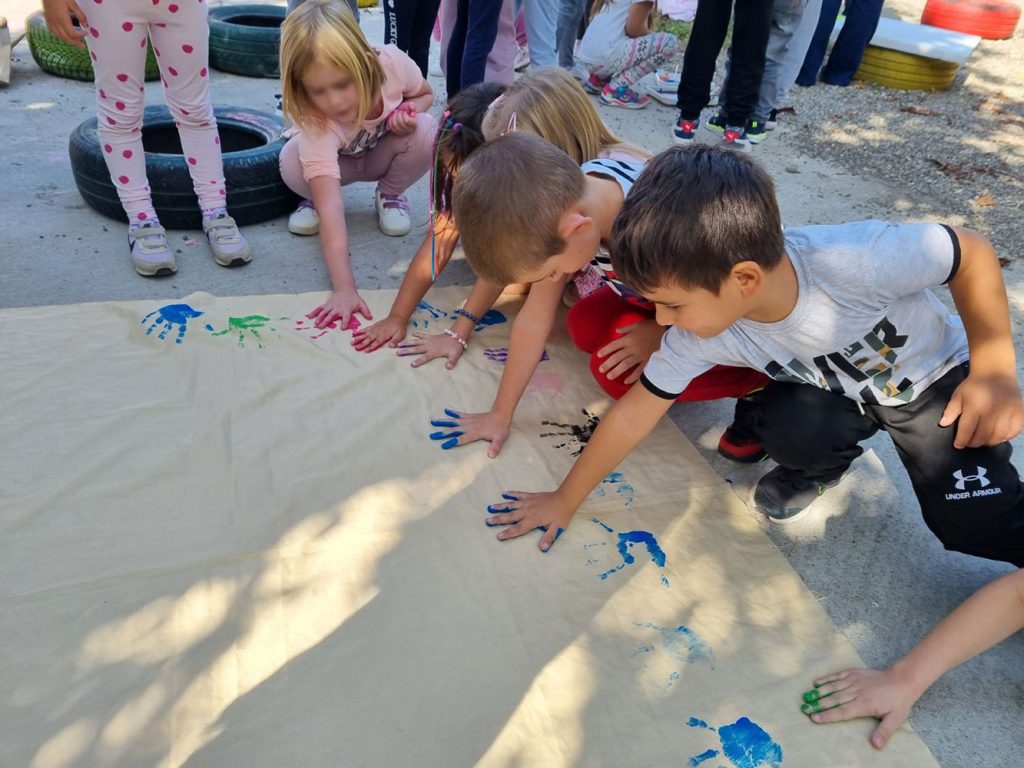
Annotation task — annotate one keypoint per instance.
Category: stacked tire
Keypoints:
(245, 39)
(991, 19)
(905, 71)
(55, 56)
(251, 143)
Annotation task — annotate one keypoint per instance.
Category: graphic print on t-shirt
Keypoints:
(871, 364)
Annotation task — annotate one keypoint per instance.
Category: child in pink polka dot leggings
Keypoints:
(116, 32)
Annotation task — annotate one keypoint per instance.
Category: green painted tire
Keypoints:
(55, 56)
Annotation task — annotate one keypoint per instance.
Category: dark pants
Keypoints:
(473, 36)
(408, 25)
(751, 27)
(971, 498)
(858, 29)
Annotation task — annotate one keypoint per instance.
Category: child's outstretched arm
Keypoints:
(989, 616)
(988, 402)
(529, 335)
(417, 281)
(345, 301)
(58, 15)
(628, 422)
(449, 345)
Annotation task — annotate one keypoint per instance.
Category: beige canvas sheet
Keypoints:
(226, 540)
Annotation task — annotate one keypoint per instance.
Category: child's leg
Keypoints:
(456, 48)
(180, 41)
(421, 23)
(971, 498)
(291, 169)
(398, 162)
(481, 32)
(808, 75)
(117, 46)
(646, 54)
(751, 26)
(795, 53)
(702, 49)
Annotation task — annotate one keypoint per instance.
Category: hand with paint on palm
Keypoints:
(391, 330)
(470, 427)
(430, 346)
(340, 306)
(526, 512)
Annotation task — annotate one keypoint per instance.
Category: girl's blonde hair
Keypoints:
(325, 32)
(553, 105)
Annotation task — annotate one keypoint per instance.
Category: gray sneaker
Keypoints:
(229, 247)
(784, 497)
(150, 254)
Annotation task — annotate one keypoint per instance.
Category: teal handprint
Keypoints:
(249, 325)
(171, 316)
(744, 744)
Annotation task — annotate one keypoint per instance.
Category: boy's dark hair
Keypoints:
(459, 134)
(508, 200)
(693, 214)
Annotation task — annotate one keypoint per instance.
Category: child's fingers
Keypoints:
(952, 410)
(442, 435)
(965, 430)
(622, 368)
(495, 449)
(881, 735)
(513, 495)
(828, 689)
(363, 310)
(832, 677)
(519, 529)
(612, 346)
(409, 348)
(504, 518)
(845, 709)
(549, 538)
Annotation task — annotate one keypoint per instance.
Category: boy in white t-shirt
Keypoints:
(843, 321)
(619, 48)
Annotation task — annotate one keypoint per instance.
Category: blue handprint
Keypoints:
(491, 317)
(500, 355)
(625, 546)
(682, 644)
(623, 489)
(425, 312)
(171, 315)
(744, 743)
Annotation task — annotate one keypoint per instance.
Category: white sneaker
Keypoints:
(304, 221)
(522, 60)
(392, 214)
(151, 256)
(228, 245)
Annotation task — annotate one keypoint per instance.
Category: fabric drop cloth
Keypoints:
(226, 540)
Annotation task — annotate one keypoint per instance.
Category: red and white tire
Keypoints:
(991, 19)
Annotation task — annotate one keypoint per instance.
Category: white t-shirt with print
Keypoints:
(864, 326)
(605, 32)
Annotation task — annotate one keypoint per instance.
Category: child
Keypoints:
(989, 616)
(751, 26)
(619, 48)
(570, 215)
(548, 103)
(845, 311)
(117, 34)
(360, 115)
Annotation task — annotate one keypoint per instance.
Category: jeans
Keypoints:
(749, 41)
(570, 13)
(541, 26)
(474, 34)
(861, 21)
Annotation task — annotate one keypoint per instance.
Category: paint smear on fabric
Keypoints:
(573, 436)
(245, 327)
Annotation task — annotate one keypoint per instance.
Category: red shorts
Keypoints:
(594, 321)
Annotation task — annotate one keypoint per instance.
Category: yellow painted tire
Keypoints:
(366, 3)
(895, 69)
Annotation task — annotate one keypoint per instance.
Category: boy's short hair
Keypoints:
(508, 199)
(692, 215)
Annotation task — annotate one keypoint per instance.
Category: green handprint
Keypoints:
(250, 324)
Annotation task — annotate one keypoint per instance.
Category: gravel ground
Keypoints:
(956, 154)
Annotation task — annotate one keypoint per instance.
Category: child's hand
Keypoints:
(470, 427)
(857, 693)
(989, 408)
(390, 331)
(58, 19)
(526, 511)
(340, 306)
(430, 346)
(633, 348)
(402, 121)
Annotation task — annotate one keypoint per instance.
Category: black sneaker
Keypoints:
(772, 121)
(784, 497)
(755, 130)
(716, 123)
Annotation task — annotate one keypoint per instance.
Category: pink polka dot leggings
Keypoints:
(117, 43)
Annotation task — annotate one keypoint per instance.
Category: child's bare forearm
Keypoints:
(423, 100)
(526, 346)
(480, 299)
(628, 422)
(330, 206)
(979, 293)
(988, 617)
(418, 278)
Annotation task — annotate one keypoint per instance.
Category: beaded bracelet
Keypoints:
(454, 335)
(468, 315)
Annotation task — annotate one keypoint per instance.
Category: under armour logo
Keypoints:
(980, 478)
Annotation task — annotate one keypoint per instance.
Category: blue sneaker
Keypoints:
(685, 131)
(736, 138)
(756, 129)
